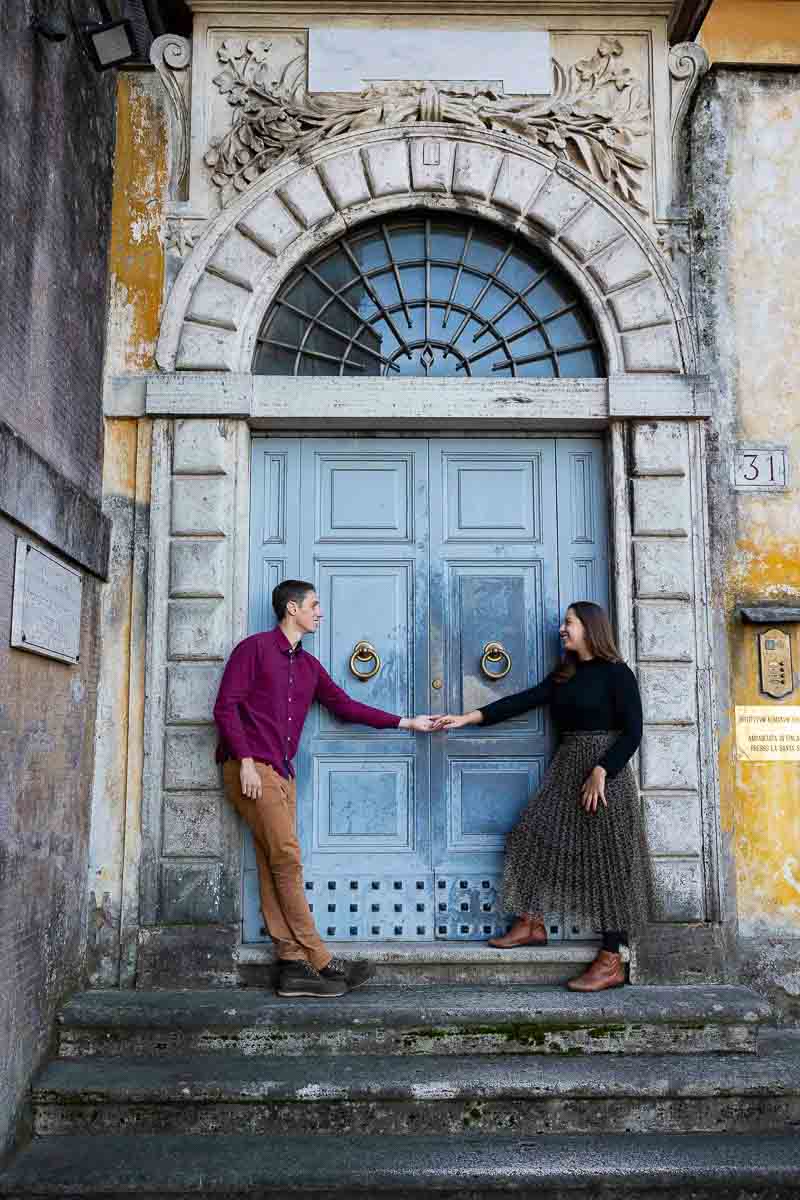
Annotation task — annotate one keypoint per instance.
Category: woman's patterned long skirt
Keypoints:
(593, 867)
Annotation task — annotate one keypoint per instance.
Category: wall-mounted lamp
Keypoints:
(108, 42)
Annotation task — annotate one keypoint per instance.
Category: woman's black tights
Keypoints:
(613, 939)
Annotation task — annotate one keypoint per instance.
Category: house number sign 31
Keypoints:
(760, 468)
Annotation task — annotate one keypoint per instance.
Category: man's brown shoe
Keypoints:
(526, 931)
(606, 971)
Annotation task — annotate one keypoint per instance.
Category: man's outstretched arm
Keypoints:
(337, 701)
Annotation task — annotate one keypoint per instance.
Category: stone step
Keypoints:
(403, 964)
(633, 1166)
(214, 1093)
(420, 1020)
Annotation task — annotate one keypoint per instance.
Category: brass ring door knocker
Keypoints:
(495, 652)
(364, 653)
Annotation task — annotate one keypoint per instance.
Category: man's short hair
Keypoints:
(289, 589)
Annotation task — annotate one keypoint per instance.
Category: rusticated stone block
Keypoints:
(200, 505)
(203, 348)
(668, 694)
(188, 956)
(218, 301)
(191, 892)
(197, 568)
(189, 758)
(621, 263)
(196, 629)
(191, 824)
(672, 821)
(517, 182)
(643, 304)
(200, 447)
(191, 691)
(387, 168)
(476, 170)
(675, 954)
(270, 225)
(591, 231)
(305, 196)
(240, 258)
(556, 203)
(664, 632)
(661, 506)
(653, 349)
(668, 759)
(660, 448)
(345, 179)
(663, 569)
(678, 888)
(432, 164)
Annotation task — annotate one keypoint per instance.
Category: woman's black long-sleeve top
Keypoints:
(600, 695)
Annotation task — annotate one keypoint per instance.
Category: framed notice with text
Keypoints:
(768, 732)
(46, 612)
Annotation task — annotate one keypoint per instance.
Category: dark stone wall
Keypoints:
(56, 159)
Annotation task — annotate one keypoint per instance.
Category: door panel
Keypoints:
(493, 579)
(583, 521)
(363, 794)
(427, 551)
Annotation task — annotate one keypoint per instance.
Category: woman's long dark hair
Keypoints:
(599, 638)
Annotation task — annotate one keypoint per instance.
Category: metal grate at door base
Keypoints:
(467, 908)
(368, 907)
(397, 908)
(372, 907)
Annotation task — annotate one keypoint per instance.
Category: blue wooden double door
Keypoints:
(443, 569)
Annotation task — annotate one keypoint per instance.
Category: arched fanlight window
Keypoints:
(428, 296)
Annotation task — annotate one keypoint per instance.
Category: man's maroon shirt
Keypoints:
(266, 691)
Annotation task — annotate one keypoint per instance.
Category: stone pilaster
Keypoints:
(191, 858)
(668, 616)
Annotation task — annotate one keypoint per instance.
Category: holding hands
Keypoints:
(433, 724)
(451, 721)
(421, 724)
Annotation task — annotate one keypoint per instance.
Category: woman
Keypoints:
(579, 846)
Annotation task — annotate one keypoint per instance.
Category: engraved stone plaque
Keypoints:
(347, 60)
(46, 615)
(768, 732)
(760, 469)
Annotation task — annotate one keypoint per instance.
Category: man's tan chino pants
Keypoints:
(272, 820)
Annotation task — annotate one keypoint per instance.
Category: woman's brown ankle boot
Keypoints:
(526, 931)
(607, 971)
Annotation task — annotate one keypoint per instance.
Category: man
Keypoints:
(267, 688)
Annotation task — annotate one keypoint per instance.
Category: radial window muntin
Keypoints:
(428, 296)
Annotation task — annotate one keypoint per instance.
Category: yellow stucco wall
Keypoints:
(137, 254)
(752, 31)
(136, 265)
(761, 801)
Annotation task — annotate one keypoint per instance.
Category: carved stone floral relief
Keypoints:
(595, 116)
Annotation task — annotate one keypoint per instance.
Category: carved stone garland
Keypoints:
(596, 110)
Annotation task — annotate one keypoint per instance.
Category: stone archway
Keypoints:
(215, 308)
(206, 401)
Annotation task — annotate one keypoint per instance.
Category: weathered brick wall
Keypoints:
(55, 179)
